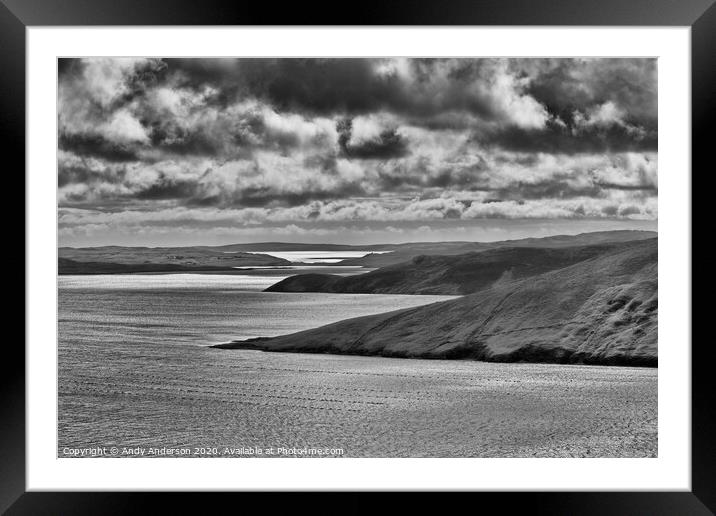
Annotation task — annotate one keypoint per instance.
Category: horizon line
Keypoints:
(265, 242)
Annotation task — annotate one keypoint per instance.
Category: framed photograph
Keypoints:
(417, 249)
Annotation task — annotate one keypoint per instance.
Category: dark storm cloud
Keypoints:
(554, 189)
(646, 188)
(70, 175)
(327, 86)
(319, 85)
(194, 194)
(423, 173)
(555, 138)
(168, 188)
(428, 89)
(468, 178)
(569, 85)
(65, 65)
(97, 146)
(558, 188)
(535, 105)
(386, 145)
(350, 86)
(193, 142)
(572, 89)
(266, 197)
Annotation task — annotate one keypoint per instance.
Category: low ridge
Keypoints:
(602, 310)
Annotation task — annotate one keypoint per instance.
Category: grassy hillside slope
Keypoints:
(406, 252)
(602, 310)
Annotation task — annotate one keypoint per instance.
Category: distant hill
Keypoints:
(405, 252)
(246, 255)
(602, 310)
(448, 275)
(115, 259)
(67, 266)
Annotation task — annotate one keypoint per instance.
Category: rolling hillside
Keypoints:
(405, 252)
(602, 310)
(448, 275)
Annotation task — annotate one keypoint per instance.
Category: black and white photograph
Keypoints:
(357, 257)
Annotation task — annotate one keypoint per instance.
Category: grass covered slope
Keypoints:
(447, 275)
(405, 252)
(602, 310)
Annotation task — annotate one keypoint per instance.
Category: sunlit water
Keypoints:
(135, 373)
(319, 256)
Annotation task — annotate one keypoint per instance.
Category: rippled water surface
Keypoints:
(135, 372)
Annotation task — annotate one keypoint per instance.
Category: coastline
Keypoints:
(527, 354)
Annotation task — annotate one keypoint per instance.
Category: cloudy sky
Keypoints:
(212, 151)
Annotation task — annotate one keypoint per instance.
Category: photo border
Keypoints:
(700, 15)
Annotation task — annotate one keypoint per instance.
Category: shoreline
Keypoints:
(558, 356)
(209, 270)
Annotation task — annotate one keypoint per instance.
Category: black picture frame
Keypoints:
(17, 15)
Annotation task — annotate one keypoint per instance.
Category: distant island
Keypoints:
(547, 301)
(127, 260)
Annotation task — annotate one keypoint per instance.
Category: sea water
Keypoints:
(136, 378)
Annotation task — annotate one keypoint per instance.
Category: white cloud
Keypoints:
(106, 79)
(124, 128)
(508, 92)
